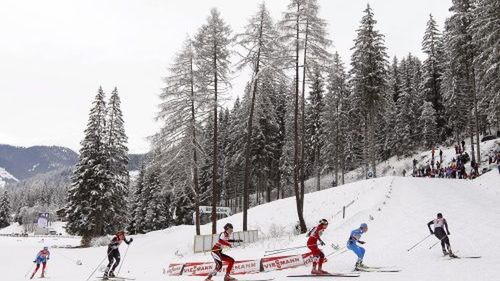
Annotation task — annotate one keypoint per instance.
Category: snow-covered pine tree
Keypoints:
(136, 224)
(368, 79)
(265, 139)
(4, 210)
(418, 97)
(260, 51)
(212, 60)
(181, 207)
(223, 196)
(180, 110)
(459, 76)
(286, 162)
(234, 152)
(279, 101)
(405, 111)
(432, 46)
(486, 35)
(157, 215)
(117, 153)
(206, 162)
(429, 129)
(391, 146)
(335, 118)
(89, 197)
(315, 126)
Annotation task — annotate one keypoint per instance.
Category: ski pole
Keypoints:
(28, 272)
(419, 242)
(289, 249)
(279, 251)
(78, 262)
(88, 278)
(124, 256)
(285, 249)
(338, 252)
(437, 242)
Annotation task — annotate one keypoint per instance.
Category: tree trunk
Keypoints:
(372, 143)
(194, 164)
(318, 171)
(476, 116)
(215, 158)
(248, 145)
(337, 144)
(296, 168)
(302, 119)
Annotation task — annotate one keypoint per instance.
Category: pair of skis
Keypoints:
(116, 278)
(356, 273)
(463, 257)
(376, 269)
(326, 275)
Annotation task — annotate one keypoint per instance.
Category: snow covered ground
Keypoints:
(396, 209)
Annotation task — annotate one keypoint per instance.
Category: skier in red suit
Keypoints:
(312, 243)
(219, 257)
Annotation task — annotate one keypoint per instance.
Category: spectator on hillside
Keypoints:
(463, 145)
(433, 151)
(404, 172)
(473, 174)
(498, 161)
(457, 149)
(449, 172)
(440, 155)
(475, 166)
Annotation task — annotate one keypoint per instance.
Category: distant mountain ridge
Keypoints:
(26, 162)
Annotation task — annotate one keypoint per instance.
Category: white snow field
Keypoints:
(396, 209)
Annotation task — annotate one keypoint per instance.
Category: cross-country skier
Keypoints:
(114, 253)
(439, 231)
(41, 258)
(353, 246)
(219, 257)
(312, 243)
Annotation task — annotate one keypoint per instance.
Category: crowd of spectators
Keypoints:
(455, 169)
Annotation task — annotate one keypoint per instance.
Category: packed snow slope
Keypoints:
(396, 209)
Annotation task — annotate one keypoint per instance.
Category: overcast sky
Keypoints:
(54, 54)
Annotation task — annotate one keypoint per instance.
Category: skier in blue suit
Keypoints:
(353, 246)
(41, 258)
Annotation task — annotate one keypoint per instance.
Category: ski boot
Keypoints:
(315, 271)
(209, 278)
(359, 266)
(112, 274)
(323, 272)
(229, 278)
(451, 254)
(445, 253)
(105, 276)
